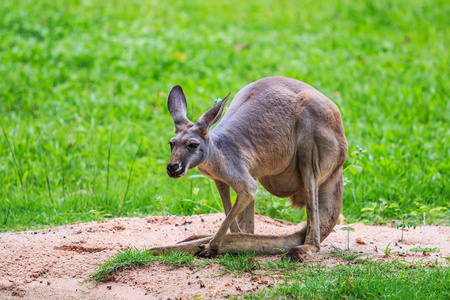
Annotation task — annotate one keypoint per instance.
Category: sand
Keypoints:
(54, 263)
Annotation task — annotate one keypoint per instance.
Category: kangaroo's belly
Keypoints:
(284, 184)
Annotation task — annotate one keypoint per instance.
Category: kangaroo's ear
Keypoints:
(176, 103)
(210, 117)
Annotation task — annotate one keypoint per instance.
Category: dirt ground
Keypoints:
(53, 263)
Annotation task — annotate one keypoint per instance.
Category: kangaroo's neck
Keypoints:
(222, 150)
(216, 142)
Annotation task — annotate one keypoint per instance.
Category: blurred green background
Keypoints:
(84, 83)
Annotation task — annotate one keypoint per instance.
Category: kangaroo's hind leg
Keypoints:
(330, 203)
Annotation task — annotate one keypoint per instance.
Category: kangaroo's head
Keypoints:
(190, 146)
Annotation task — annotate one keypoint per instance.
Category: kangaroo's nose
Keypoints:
(172, 167)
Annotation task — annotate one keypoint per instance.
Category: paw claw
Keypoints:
(294, 255)
(207, 252)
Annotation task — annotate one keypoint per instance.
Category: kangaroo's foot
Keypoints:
(235, 243)
(194, 238)
(208, 252)
(298, 253)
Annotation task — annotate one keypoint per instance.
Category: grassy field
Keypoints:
(84, 124)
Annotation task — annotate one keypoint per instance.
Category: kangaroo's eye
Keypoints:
(193, 145)
(171, 146)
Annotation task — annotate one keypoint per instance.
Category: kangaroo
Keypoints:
(278, 131)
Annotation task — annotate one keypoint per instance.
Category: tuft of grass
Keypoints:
(176, 259)
(134, 257)
(239, 263)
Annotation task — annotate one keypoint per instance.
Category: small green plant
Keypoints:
(407, 221)
(348, 229)
(353, 167)
(387, 251)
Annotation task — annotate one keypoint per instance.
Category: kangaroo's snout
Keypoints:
(172, 167)
(174, 170)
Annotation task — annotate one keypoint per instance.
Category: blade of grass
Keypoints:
(7, 213)
(18, 171)
(63, 174)
(48, 180)
(107, 168)
(129, 179)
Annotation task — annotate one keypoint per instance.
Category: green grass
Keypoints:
(84, 82)
(368, 280)
(373, 280)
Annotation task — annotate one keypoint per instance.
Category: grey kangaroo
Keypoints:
(278, 131)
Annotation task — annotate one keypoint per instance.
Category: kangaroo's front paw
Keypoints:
(208, 252)
(298, 253)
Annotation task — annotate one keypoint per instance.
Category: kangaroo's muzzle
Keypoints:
(174, 170)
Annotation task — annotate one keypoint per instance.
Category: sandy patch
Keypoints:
(52, 263)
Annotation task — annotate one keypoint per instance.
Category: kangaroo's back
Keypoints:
(267, 99)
